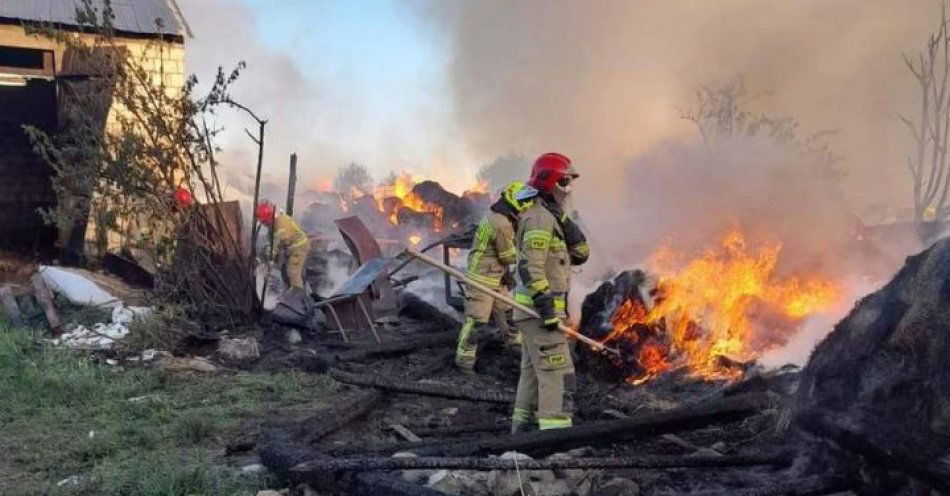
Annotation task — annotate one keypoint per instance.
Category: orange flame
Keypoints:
(322, 184)
(393, 198)
(398, 196)
(705, 307)
(479, 188)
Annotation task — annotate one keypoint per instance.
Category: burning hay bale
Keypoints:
(879, 385)
(599, 316)
(710, 316)
(457, 211)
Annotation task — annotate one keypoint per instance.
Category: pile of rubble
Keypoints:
(877, 390)
(866, 415)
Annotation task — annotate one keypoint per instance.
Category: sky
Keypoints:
(339, 81)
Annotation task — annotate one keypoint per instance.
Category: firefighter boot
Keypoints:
(467, 349)
(523, 421)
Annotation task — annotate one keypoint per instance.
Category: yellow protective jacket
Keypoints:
(493, 249)
(545, 259)
(288, 234)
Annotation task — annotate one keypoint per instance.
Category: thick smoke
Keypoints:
(603, 81)
(606, 83)
(687, 196)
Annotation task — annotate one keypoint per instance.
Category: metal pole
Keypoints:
(507, 299)
(448, 280)
(292, 186)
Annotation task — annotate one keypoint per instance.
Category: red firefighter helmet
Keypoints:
(264, 213)
(549, 170)
(182, 198)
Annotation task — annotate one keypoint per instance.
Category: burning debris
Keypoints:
(871, 391)
(414, 210)
(705, 314)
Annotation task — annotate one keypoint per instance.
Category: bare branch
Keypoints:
(159, 140)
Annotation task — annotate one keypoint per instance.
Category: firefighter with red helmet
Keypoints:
(289, 236)
(549, 243)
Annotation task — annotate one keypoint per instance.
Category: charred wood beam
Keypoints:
(396, 347)
(373, 483)
(426, 389)
(280, 455)
(390, 447)
(935, 473)
(351, 408)
(329, 464)
(601, 433)
(461, 429)
(45, 298)
(358, 405)
(818, 485)
(414, 307)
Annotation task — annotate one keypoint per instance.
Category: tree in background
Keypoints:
(722, 114)
(353, 178)
(503, 170)
(927, 162)
(390, 179)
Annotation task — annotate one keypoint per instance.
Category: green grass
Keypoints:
(62, 415)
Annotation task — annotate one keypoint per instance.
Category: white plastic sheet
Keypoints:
(76, 288)
(80, 290)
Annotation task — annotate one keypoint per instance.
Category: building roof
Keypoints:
(131, 16)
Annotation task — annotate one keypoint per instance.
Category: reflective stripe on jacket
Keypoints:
(543, 260)
(493, 249)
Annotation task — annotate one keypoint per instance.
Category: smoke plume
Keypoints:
(603, 80)
(607, 82)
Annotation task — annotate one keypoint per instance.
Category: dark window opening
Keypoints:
(24, 58)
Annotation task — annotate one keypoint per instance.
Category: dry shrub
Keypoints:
(121, 171)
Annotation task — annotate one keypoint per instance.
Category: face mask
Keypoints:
(562, 197)
(565, 184)
(562, 191)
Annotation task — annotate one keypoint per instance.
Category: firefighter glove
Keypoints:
(508, 279)
(544, 303)
(572, 233)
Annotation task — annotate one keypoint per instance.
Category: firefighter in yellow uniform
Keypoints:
(493, 251)
(289, 236)
(549, 243)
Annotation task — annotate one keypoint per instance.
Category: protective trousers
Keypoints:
(296, 263)
(546, 386)
(479, 308)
